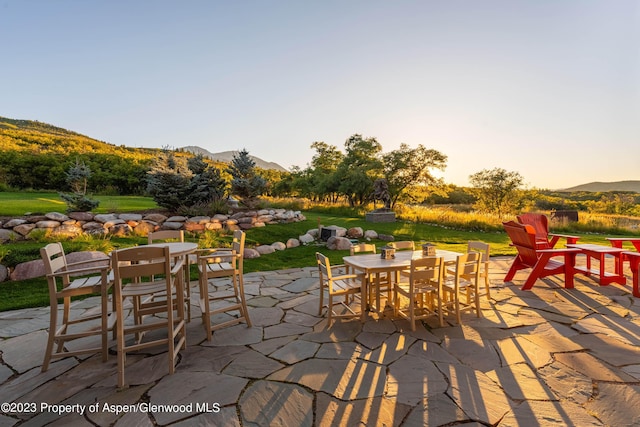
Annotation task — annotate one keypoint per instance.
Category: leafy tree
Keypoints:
(245, 182)
(497, 190)
(77, 177)
(324, 184)
(408, 170)
(359, 169)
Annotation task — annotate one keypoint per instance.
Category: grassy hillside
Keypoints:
(41, 138)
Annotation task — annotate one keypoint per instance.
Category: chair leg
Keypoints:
(440, 315)
(321, 299)
(204, 306)
(412, 314)
(486, 282)
(243, 302)
(53, 325)
(120, 344)
(105, 323)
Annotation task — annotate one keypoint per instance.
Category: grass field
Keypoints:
(446, 232)
(21, 203)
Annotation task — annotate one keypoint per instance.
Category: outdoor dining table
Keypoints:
(599, 252)
(180, 250)
(373, 265)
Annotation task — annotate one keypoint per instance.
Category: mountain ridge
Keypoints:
(227, 157)
(600, 187)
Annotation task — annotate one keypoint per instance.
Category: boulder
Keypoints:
(279, 246)
(4, 273)
(47, 224)
(113, 222)
(131, 217)
(293, 243)
(220, 217)
(213, 226)
(28, 270)
(355, 232)
(370, 234)
(120, 230)
(57, 216)
(155, 217)
(232, 227)
(24, 229)
(251, 253)
(67, 231)
(81, 216)
(194, 226)
(265, 249)
(177, 218)
(386, 237)
(35, 268)
(171, 225)
(338, 244)
(199, 219)
(92, 226)
(105, 218)
(306, 239)
(86, 256)
(144, 228)
(14, 223)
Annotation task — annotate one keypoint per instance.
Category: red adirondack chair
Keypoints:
(540, 223)
(540, 261)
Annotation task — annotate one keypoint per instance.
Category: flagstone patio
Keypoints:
(548, 356)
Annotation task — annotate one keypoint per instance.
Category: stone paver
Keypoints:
(548, 356)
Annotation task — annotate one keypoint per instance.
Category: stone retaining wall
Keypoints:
(77, 223)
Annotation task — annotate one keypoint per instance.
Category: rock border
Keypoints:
(78, 223)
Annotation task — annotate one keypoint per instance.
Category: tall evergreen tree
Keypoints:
(246, 183)
(168, 180)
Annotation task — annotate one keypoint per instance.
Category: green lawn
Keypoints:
(21, 203)
(34, 293)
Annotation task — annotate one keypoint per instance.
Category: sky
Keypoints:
(546, 88)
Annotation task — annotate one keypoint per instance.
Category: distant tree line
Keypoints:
(36, 162)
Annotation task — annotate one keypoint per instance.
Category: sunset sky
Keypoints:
(549, 89)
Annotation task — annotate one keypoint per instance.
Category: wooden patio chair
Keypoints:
(149, 271)
(484, 249)
(78, 278)
(216, 263)
(464, 282)
(540, 223)
(423, 291)
(540, 261)
(343, 285)
(384, 279)
(403, 245)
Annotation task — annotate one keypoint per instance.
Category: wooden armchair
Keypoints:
(540, 223)
(67, 280)
(540, 261)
